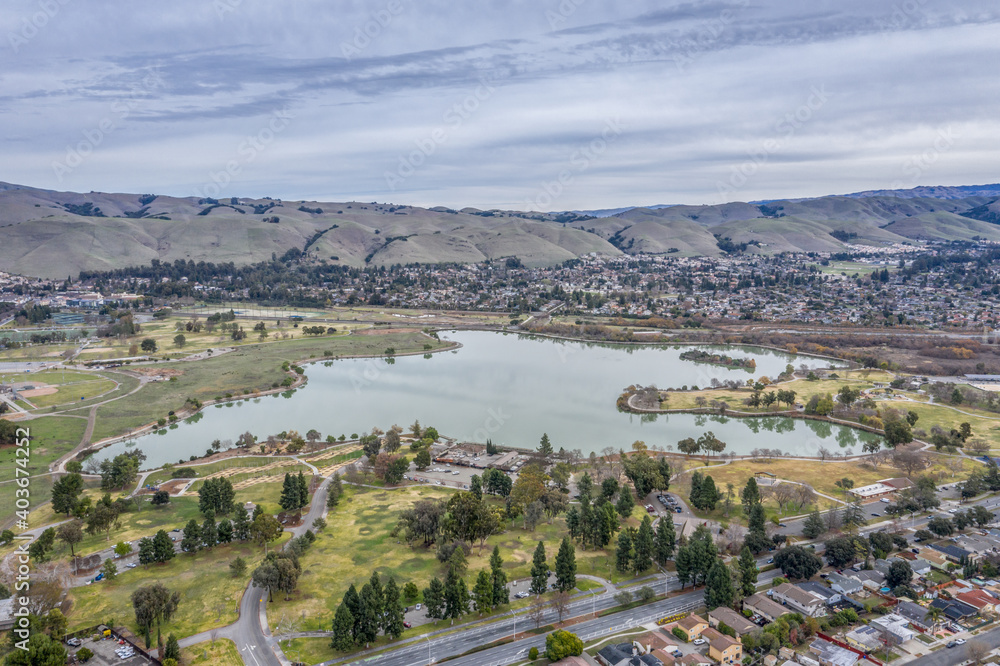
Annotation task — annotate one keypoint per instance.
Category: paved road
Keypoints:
(956, 655)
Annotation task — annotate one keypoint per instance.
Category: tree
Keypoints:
(747, 572)
(241, 524)
(148, 345)
(160, 498)
(209, 531)
(643, 546)
(845, 550)
(434, 599)
(566, 565)
(163, 547)
(501, 594)
(264, 529)
(900, 573)
(334, 491)
(423, 459)
(753, 508)
(624, 552)
(957, 397)
(539, 571)
(180, 340)
(798, 562)
(941, 526)
(172, 649)
(217, 495)
(813, 526)
(666, 540)
(853, 515)
(476, 486)
(482, 593)
(625, 502)
(584, 485)
(561, 644)
(66, 493)
(897, 432)
(719, 590)
(226, 530)
(343, 629)
(109, 569)
(456, 596)
(238, 567)
(191, 541)
(71, 533)
(370, 612)
(393, 623)
(154, 604)
(291, 496)
(41, 651)
(544, 446)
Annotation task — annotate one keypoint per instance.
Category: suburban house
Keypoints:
(693, 625)
(869, 578)
(830, 654)
(843, 584)
(954, 553)
(762, 605)
(881, 488)
(936, 559)
(798, 599)
(724, 649)
(732, 619)
(954, 609)
(625, 654)
(828, 595)
(895, 628)
(865, 638)
(915, 614)
(983, 601)
(920, 566)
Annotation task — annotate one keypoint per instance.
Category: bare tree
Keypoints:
(976, 651)
(536, 611)
(561, 603)
(909, 461)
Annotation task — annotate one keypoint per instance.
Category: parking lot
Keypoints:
(446, 474)
(109, 652)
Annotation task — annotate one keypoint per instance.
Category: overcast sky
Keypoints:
(528, 104)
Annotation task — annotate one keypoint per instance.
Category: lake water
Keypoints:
(509, 388)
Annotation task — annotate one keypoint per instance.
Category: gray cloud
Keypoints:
(699, 88)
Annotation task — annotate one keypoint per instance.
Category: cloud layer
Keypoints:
(550, 104)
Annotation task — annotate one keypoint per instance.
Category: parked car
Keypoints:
(699, 641)
(407, 625)
(100, 576)
(417, 606)
(677, 509)
(770, 560)
(959, 641)
(75, 642)
(885, 500)
(951, 644)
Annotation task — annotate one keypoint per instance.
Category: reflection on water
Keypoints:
(508, 388)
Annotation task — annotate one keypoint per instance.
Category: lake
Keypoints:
(509, 388)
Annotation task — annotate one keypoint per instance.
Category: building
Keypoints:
(828, 595)
(895, 629)
(954, 609)
(625, 654)
(830, 654)
(869, 578)
(882, 488)
(954, 553)
(6, 613)
(693, 625)
(865, 638)
(723, 649)
(843, 584)
(982, 601)
(915, 615)
(732, 619)
(762, 605)
(799, 600)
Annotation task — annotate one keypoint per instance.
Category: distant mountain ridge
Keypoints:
(58, 234)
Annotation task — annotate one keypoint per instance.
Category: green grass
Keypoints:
(274, 472)
(210, 596)
(253, 367)
(221, 652)
(264, 494)
(585, 585)
(365, 518)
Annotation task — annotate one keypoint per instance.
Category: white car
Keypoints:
(884, 499)
(952, 510)
(959, 641)
(699, 641)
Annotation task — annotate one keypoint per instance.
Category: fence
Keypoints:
(116, 634)
(844, 645)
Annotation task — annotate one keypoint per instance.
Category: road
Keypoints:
(956, 655)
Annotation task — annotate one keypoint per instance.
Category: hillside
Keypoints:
(58, 234)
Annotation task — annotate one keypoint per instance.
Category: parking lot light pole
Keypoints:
(514, 615)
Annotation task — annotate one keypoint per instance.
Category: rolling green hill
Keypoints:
(57, 234)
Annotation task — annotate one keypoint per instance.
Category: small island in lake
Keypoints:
(702, 356)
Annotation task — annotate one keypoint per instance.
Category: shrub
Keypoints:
(533, 654)
(726, 629)
(84, 654)
(680, 634)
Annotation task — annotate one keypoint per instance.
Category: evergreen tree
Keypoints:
(225, 531)
(719, 589)
(708, 494)
(334, 491)
(643, 546)
(456, 596)
(290, 495)
(368, 624)
(303, 491)
(566, 566)
(544, 446)
(666, 540)
(695, 495)
(476, 486)
(501, 595)
(814, 526)
(748, 572)
(539, 570)
(392, 626)
(623, 553)
(378, 594)
(209, 531)
(625, 502)
(482, 593)
(352, 601)
(343, 629)
(756, 539)
(573, 522)
(585, 486)
(241, 524)
(191, 541)
(163, 547)
(685, 566)
(434, 599)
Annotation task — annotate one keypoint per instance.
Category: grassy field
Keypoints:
(987, 428)
(221, 652)
(851, 268)
(251, 368)
(210, 596)
(365, 519)
(265, 494)
(820, 475)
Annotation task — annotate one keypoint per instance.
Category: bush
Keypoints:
(680, 634)
(726, 629)
(84, 654)
(533, 654)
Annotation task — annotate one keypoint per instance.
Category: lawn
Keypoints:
(804, 389)
(987, 428)
(265, 494)
(365, 518)
(210, 596)
(250, 368)
(221, 652)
